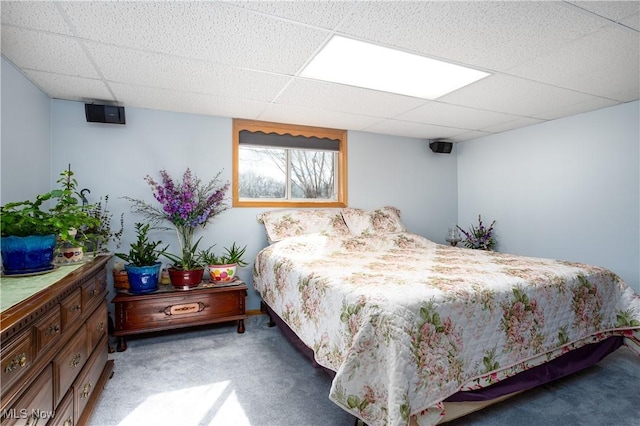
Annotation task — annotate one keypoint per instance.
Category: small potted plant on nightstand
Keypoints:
(222, 268)
(143, 268)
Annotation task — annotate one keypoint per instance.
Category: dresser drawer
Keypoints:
(64, 412)
(35, 406)
(97, 326)
(47, 331)
(94, 290)
(86, 383)
(69, 362)
(71, 309)
(16, 359)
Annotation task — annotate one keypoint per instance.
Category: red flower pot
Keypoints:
(185, 279)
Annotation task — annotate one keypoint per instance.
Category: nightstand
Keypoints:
(169, 308)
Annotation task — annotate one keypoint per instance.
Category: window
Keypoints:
(281, 165)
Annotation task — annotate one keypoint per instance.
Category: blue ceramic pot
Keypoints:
(143, 279)
(25, 255)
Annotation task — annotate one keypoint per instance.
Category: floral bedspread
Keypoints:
(405, 322)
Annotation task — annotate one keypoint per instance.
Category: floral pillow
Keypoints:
(364, 223)
(281, 224)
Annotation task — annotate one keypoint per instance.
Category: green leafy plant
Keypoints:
(189, 260)
(66, 218)
(143, 252)
(100, 234)
(231, 255)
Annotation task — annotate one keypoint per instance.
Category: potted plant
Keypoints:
(30, 230)
(143, 267)
(188, 205)
(223, 268)
(479, 237)
(100, 234)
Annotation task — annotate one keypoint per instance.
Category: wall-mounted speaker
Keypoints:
(441, 147)
(104, 114)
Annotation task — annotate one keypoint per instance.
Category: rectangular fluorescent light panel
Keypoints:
(356, 63)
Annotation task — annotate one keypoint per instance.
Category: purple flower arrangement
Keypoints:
(479, 237)
(188, 205)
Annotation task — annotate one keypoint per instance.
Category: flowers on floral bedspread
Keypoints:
(522, 322)
(587, 305)
(625, 319)
(435, 348)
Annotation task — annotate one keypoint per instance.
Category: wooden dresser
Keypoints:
(54, 349)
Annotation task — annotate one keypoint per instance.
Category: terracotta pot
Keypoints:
(185, 279)
(120, 279)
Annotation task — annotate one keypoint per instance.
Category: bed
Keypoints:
(415, 331)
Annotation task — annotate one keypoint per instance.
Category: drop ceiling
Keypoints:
(243, 59)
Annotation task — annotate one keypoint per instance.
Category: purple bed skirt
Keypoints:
(564, 365)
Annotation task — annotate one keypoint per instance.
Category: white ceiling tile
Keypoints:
(513, 124)
(46, 52)
(613, 10)
(414, 130)
(280, 113)
(632, 21)
(170, 72)
(349, 99)
(603, 64)
(319, 13)
(512, 95)
(59, 86)
(240, 59)
(211, 31)
(194, 103)
(442, 114)
(36, 15)
(488, 34)
(589, 105)
(468, 136)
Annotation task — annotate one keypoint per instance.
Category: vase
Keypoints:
(222, 273)
(143, 279)
(185, 280)
(26, 255)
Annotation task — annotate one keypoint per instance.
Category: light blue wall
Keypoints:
(24, 148)
(405, 173)
(566, 189)
(114, 159)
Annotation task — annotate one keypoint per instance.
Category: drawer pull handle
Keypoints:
(185, 308)
(86, 390)
(75, 308)
(94, 291)
(33, 419)
(100, 326)
(19, 360)
(75, 361)
(53, 329)
(68, 422)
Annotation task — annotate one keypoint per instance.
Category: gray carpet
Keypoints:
(214, 376)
